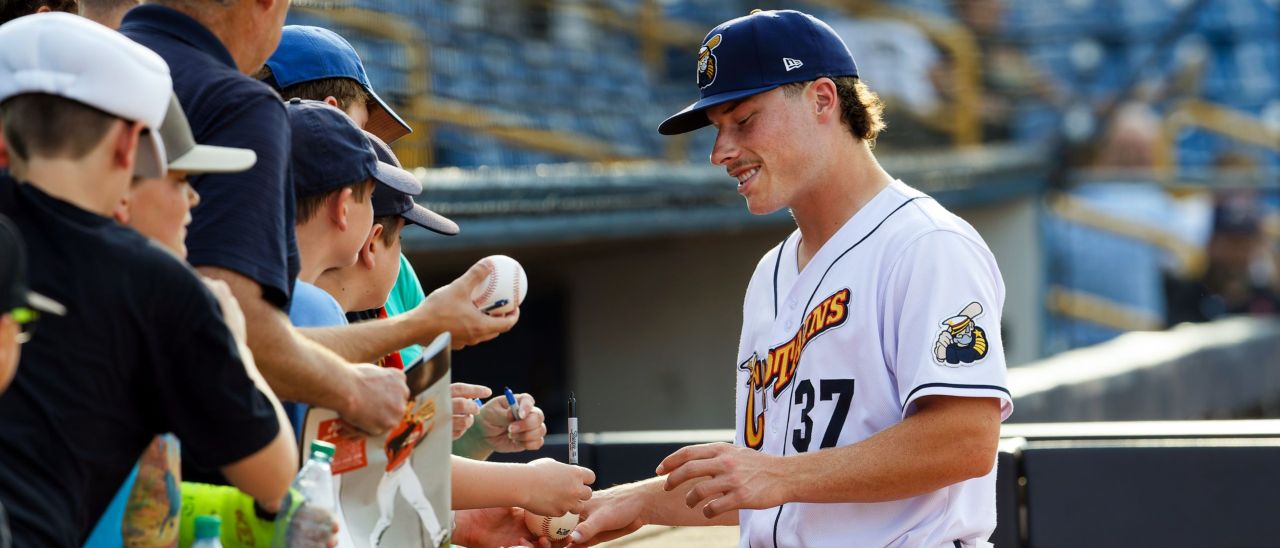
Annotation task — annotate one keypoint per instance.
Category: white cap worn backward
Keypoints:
(74, 58)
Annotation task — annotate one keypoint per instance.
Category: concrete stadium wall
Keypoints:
(1227, 368)
(1012, 231)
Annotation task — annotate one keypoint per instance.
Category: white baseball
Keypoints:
(552, 528)
(504, 289)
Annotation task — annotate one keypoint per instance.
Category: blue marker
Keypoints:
(511, 401)
(479, 402)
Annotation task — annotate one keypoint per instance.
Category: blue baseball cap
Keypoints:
(398, 200)
(312, 53)
(759, 52)
(330, 152)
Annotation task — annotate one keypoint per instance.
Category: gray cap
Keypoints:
(185, 155)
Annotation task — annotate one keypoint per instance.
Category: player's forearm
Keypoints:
(938, 446)
(369, 341)
(662, 507)
(478, 484)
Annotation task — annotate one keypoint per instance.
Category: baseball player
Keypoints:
(858, 422)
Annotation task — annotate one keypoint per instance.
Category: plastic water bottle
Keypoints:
(310, 522)
(208, 532)
(315, 480)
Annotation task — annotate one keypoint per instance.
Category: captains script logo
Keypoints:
(779, 367)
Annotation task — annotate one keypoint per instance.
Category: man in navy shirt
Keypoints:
(142, 348)
(243, 230)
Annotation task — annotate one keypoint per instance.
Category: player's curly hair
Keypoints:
(860, 108)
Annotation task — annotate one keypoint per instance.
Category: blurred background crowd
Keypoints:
(1145, 135)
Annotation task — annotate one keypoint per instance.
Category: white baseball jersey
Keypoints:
(903, 302)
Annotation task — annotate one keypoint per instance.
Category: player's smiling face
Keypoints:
(761, 143)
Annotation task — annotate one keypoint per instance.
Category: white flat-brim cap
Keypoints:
(186, 155)
(74, 58)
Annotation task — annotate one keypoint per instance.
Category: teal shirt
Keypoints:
(405, 295)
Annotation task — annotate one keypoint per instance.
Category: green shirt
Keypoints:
(405, 295)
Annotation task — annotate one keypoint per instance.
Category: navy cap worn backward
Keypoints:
(759, 52)
(328, 150)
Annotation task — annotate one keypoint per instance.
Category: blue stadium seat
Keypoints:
(1239, 18)
(1056, 19)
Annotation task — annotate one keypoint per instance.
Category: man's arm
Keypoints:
(371, 398)
(446, 309)
(947, 440)
(621, 510)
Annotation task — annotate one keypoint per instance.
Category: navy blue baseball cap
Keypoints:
(330, 152)
(312, 53)
(398, 199)
(759, 52)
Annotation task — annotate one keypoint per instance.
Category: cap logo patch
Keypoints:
(707, 62)
(962, 341)
(791, 64)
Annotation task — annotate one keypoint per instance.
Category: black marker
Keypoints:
(573, 430)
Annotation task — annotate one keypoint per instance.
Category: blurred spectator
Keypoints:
(1130, 140)
(1240, 274)
(1009, 78)
(13, 9)
(107, 12)
(895, 57)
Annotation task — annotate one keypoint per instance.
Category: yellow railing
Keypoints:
(1190, 259)
(1238, 125)
(1078, 305)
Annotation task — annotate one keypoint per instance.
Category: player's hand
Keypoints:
(610, 514)
(464, 405)
(503, 434)
(555, 488)
(377, 399)
(495, 527)
(736, 477)
(450, 308)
